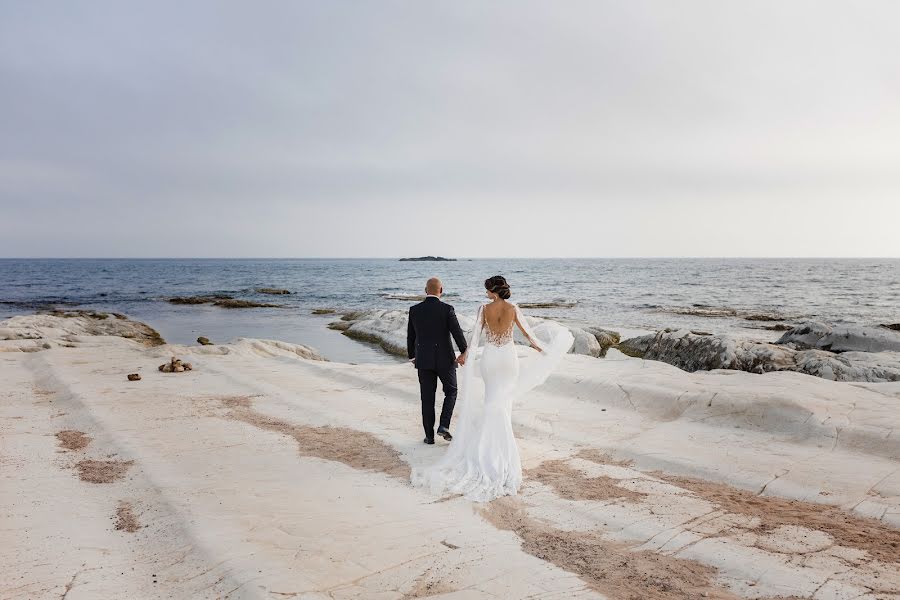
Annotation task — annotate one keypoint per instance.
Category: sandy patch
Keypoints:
(607, 567)
(73, 440)
(356, 449)
(880, 540)
(572, 484)
(126, 520)
(102, 471)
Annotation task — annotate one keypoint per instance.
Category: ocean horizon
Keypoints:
(750, 297)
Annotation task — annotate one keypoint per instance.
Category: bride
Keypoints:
(482, 461)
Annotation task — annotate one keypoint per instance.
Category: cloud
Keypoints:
(271, 127)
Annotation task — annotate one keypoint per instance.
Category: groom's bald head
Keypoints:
(434, 287)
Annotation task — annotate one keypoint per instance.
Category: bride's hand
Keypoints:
(461, 359)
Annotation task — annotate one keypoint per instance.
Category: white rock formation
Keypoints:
(261, 474)
(387, 328)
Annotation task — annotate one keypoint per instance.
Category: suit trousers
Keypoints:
(428, 379)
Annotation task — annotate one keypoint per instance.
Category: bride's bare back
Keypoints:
(498, 317)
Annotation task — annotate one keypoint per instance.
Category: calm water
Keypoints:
(714, 295)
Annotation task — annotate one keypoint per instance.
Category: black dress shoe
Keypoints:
(444, 433)
(429, 440)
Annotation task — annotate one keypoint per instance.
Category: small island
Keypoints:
(428, 259)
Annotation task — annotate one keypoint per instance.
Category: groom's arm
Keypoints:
(456, 331)
(410, 338)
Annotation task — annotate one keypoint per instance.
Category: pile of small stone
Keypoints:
(175, 366)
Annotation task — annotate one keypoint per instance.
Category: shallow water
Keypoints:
(715, 295)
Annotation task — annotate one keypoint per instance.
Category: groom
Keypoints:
(431, 323)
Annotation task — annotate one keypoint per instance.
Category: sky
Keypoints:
(460, 128)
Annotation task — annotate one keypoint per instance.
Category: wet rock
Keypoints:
(323, 311)
(273, 291)
(892, 326)
(234, 303)
(204, 341)
(134, 377)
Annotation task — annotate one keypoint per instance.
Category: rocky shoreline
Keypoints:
(844, 353)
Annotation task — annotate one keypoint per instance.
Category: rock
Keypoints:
(175, 366)
(134, 377)
(84, 322)
(428, 259)
(691, 352)
(892, 326)
(554, 304)
(779, 327)
(204, 299)
(323, 311)
(273, 291)
(387, 328)
(820, 336)
(204, 341)
(234, 303)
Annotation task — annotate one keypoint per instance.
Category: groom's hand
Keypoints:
(461, 359)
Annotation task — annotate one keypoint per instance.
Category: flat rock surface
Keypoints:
(265, 474)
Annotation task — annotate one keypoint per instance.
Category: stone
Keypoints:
(273, 291)
(134, 377)
(843, 338)
(204, 341)
(692, 352)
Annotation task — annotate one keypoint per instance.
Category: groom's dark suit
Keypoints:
(431, 323)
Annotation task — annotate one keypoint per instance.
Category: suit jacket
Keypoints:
(431, 323)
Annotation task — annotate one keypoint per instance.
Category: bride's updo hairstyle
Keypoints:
(497, 284)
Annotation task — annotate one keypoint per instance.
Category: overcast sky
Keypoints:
(332, 128)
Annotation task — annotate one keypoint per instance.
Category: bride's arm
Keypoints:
(524, 329)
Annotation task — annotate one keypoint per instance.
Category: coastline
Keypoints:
(262, 472)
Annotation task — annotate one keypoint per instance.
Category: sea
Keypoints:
(749, 297)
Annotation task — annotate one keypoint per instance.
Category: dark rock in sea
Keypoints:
(204, 341)
(134, 377)
(428, 259)
(234, 303)
(554, 304)
(323, 311)
(893, 326)
(763, 317)
(273, 291)
(779, 327)
(206, 299)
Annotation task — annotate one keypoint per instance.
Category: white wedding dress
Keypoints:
(482, 462)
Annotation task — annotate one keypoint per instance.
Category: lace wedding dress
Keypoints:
(482, 462)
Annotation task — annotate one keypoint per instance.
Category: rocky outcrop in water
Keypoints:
(692, 352)
(273, 291)
(428, 259)
(222, 300)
